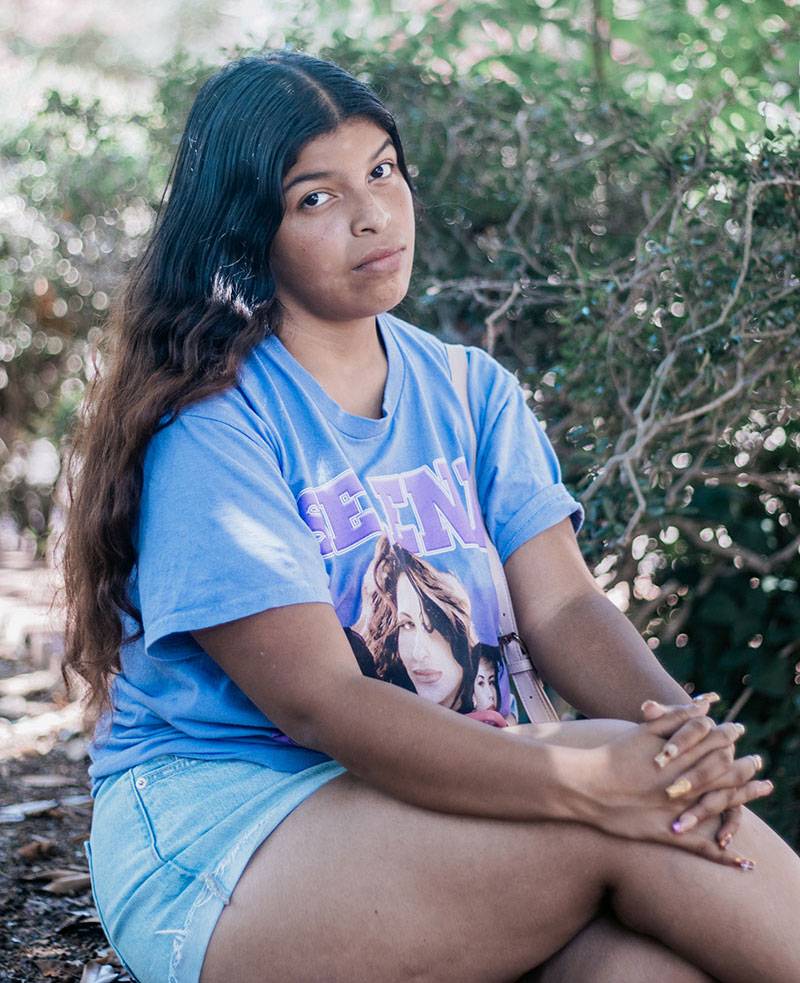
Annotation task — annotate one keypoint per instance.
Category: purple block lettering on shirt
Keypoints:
(461, 472)
(314, 516)
(390, 491)
(440, 507)
(444, 509)
(350, 522)
(337, 501)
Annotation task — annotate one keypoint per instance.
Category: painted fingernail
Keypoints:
(665, 754)
(725, 841)
(745, 864)
(681, 825)
(681, 787)
(711, 697)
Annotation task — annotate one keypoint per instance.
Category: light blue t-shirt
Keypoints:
(269, 493)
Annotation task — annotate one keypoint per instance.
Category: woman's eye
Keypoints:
(386, 163)
(304, 204)
(314, 194)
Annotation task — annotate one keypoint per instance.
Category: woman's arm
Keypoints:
(296, 665)
(581, 643)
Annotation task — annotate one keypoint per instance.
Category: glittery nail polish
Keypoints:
(746, 864)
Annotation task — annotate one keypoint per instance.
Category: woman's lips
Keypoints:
(390, 262)
(427, 675)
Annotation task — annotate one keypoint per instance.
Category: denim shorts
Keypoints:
(169, 840)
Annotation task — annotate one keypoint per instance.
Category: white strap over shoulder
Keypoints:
(526, 680)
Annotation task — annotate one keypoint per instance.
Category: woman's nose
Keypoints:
(421, 645)
(370, 214)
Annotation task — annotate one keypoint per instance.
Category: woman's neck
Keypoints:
(351, 350)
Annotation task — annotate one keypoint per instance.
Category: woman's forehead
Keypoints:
(357, 134)
(407, 597)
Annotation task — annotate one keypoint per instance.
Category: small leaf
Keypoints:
(36, 848)
(69, 884)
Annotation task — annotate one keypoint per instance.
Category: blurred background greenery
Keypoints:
(612, 193)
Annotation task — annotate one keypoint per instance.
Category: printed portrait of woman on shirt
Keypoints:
(486, 693)
(416, 623)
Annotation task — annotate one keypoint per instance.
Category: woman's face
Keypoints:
(332, 222)
(485, 695)
(427, 657)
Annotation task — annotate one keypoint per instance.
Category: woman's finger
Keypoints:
(716, 802)
(712, 770)
(711, 850)
(731, 820)
(691, 733)
(714, 773)
(652, 709)
(666, 725)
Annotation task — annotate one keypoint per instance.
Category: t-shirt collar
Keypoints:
(349, 423)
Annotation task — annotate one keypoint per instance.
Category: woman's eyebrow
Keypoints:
(315, 175)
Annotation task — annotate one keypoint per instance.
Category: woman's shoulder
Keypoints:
(230, 409)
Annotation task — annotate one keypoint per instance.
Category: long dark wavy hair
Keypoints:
(201, 297)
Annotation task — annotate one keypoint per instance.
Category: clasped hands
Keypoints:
(714, 784)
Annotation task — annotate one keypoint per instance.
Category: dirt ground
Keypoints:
(49, 928)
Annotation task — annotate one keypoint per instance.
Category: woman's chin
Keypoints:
(434, 694)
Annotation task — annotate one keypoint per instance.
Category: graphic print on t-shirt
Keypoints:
(341, 516)
(415, 627)
(415, 630)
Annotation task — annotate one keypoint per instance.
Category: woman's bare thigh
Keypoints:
(426, 876)
(357, 885)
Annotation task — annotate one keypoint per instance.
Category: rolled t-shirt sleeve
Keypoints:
(518, 476)
(219, 534)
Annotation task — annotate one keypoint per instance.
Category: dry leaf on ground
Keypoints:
(36, 848)
(95, 972)
(68, 884)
